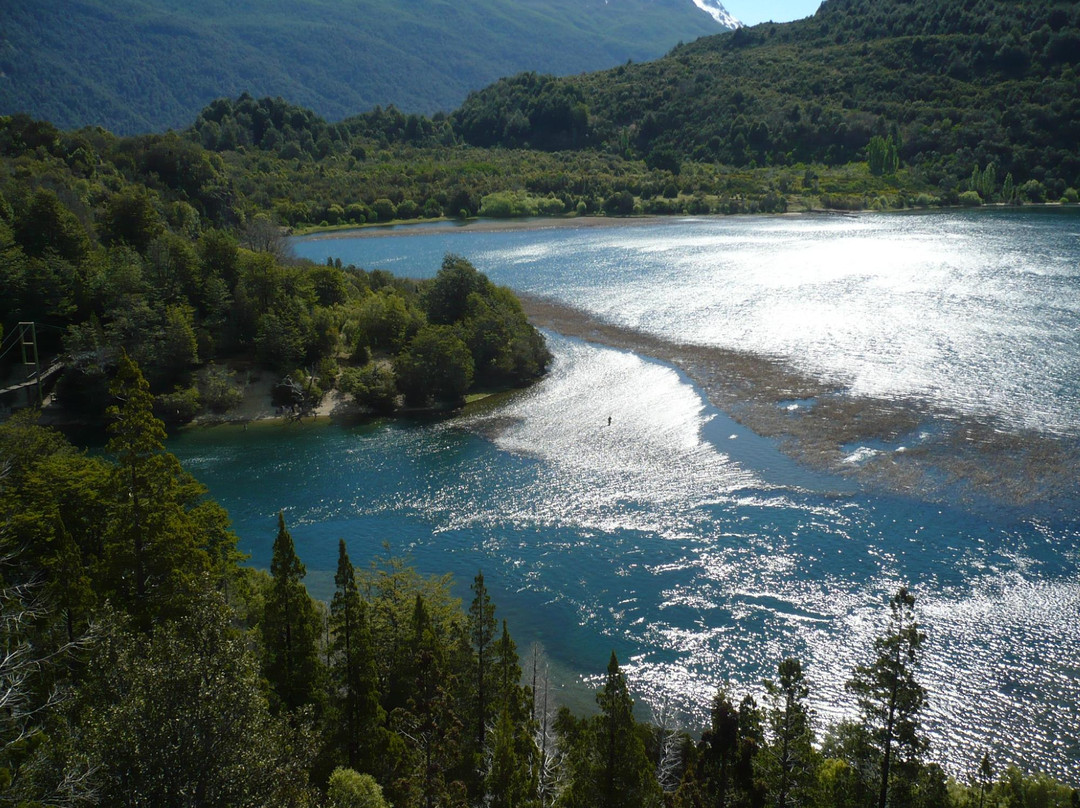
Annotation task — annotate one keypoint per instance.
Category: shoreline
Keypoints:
(482, 225)
(909, 448)
(409, 228)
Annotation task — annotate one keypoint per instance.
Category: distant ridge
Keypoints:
(137, 66)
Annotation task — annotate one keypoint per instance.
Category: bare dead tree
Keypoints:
(669, 764)
(263, 234)
(550, 779)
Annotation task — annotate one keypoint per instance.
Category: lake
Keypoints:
(702, 552)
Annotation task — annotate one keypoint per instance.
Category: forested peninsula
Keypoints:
(145, 664)
(142, 246)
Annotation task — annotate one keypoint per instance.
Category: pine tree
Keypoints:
(787, 762)
(512, 756)
(624, 775)
(70, 585)
(719, 749)
(481, 628)
(152, 559)
(428, 724)
(985, 778)
(750, 742)
(290, 627)
(511, 780)
(506, 681)
(890, 700)
(352, 667)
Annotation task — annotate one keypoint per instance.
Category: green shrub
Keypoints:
(549, 206)
(373, 386)
(384, 210)
(217, 389)
(350, 789)
(510, 205)
(1033, 191)
(179, 406)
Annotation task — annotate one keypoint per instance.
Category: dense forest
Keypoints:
(955, 86)
(144, 246)
(145, 666)
(864, 105)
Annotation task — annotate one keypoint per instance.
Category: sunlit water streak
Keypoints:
(695, 550)
(978, 312)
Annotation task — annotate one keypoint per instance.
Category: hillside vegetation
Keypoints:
(883, 104)
(136, 66)
(144, 248)
(955, 85)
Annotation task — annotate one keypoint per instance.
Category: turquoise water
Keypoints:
(692, 547)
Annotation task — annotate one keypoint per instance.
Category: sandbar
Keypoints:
(905, 446)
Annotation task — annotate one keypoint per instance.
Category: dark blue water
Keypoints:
(698, 551)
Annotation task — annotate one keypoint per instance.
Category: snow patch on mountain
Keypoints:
(716, 10)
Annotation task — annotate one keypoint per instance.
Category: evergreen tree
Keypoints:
(750, 742)
(290, 627)
(788, 764)
(481, 626)
(428, 725)
(511, 780)
(352, 667)
(984, 778)
(178, 718)
(70, 588)
(506, 682)
(151, 554)
(719, 749)
(891, 700)
(615, 771)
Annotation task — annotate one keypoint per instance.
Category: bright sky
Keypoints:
(751, 12)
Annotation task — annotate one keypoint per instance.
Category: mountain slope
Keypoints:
(143, 65)
(957, 85)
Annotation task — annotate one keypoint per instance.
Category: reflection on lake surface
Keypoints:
(696, 549)
(974, 311)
